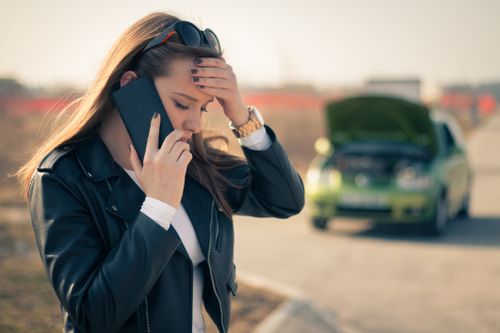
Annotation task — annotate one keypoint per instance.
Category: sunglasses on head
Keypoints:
(188, 34)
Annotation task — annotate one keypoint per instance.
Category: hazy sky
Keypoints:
(268, 42)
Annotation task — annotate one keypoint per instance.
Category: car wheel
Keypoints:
(320, 222)
(438, 222)
(464, 210)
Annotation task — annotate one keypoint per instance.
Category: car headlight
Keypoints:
(323, 176)
(410, 179)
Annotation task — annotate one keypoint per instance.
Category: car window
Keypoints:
(448, 136)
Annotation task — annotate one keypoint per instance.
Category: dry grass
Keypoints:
(27, 301)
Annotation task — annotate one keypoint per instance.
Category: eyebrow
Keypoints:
(191, 97)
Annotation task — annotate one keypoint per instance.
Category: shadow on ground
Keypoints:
(473, 231)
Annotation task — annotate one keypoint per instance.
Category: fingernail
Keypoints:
(195, 79)
(155, 115)
(197, 61)
(194, 71)
(129, 147)
(201, 87)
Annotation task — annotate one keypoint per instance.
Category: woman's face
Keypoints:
(184, 102)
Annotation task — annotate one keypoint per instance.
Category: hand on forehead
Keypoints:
(179, 80)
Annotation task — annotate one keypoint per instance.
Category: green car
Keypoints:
(390, 160)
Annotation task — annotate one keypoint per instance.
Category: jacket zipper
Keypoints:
(148, 329)
(217, 245)
(210, 268)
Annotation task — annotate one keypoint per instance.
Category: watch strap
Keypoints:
(250, 126)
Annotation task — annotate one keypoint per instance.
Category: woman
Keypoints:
(138, 247)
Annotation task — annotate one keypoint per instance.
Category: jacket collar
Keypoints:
(95, 159)
(126, 197)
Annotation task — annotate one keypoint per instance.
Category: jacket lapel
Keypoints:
(196, 202)
(126, 200)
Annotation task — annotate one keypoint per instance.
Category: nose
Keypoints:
(193, 124)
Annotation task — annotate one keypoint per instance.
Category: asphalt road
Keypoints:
(392, 280)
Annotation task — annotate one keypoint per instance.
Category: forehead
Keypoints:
(179, 79)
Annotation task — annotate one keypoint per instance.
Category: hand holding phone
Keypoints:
(160, 170)
(163, 172)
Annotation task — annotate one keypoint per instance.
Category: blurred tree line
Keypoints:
(11, 87)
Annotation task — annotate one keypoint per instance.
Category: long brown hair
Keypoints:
(87, 111)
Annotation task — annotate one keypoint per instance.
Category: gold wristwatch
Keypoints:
(254, 122)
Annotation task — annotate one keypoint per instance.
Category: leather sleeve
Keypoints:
(94, 286)
(271, 185)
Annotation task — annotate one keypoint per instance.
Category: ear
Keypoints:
(127, 77)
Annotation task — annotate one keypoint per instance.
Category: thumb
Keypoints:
(136, 162)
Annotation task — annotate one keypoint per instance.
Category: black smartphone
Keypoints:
(136, 102)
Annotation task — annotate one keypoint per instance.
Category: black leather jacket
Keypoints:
(113, 268)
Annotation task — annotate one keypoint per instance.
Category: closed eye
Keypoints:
(180, 106)
(185, 107)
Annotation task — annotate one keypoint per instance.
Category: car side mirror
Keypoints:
(451, 150)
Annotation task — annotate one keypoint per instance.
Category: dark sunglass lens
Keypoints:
(212, 39)
(191, 35)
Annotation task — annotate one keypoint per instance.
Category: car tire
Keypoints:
(320, 223)
(437, 224)
(464, 210)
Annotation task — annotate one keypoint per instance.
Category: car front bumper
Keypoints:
(381, 205)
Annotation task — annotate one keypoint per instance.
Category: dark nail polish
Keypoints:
(155, 115)
(201, 87)
(197, 61)
(129, 148)
(194, 71)
(196, 79)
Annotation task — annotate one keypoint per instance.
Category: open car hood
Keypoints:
(380, 119)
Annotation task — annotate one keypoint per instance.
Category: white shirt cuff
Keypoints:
(159, 211)
(258, 140)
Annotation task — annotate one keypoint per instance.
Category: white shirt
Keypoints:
(166, 215)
